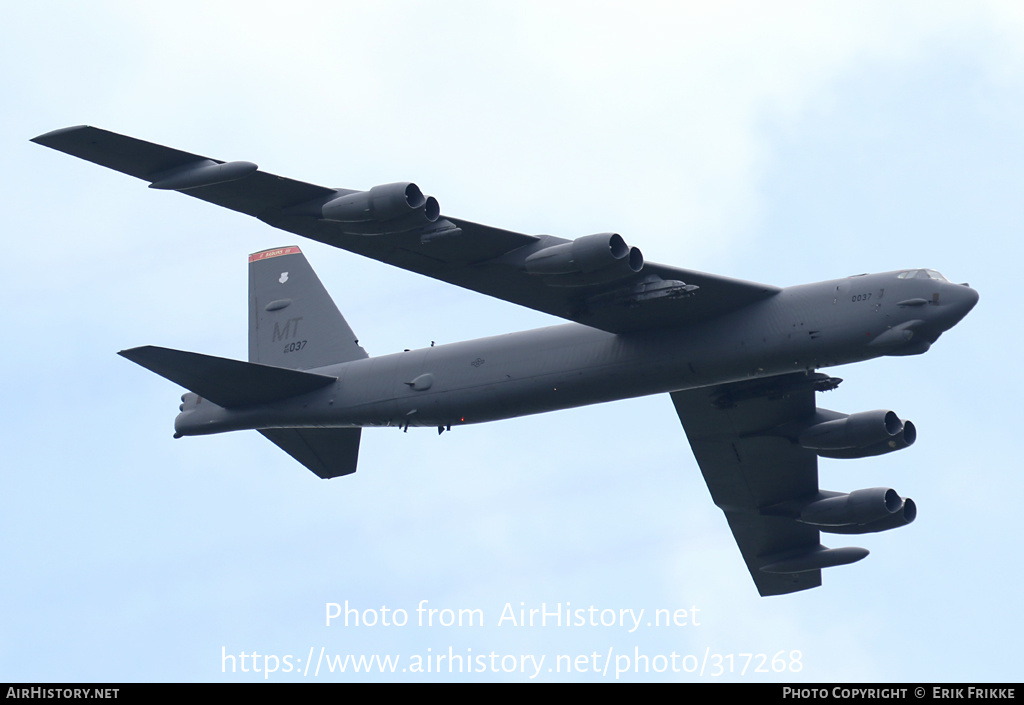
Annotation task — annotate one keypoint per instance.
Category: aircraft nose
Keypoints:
(970, 297)
(964, 299)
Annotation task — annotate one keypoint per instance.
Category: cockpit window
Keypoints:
(922, 274)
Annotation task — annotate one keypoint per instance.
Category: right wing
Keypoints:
(595, 280)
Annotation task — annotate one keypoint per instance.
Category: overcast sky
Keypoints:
(783, 143)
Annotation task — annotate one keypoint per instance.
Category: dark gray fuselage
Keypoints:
(800, 328)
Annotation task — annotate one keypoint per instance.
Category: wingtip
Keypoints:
(132, 353)
(46, 137)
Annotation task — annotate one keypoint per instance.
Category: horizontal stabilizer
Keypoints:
(227, 383)
(328, 452)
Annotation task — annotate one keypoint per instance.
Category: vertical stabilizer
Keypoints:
(292, 320)
(294, 323)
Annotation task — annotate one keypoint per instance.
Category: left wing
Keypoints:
(741, 435)
(596, 280)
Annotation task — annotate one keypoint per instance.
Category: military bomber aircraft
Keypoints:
(738, 359)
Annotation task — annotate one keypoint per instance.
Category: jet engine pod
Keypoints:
(905, 515)
(859, 435)
(860, 507)
(389, 208)
(854, 431)
(861, 512)
(586, 260)
(904, 439)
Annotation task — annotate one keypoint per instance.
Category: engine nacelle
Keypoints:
(860, 512)
(391, 208)
(858, 507)
(586, 260)
(895, 520)
(859, 435)
(904, 439)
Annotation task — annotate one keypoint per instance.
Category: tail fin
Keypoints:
(292, 320)
(294, 323)
(293, 326)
